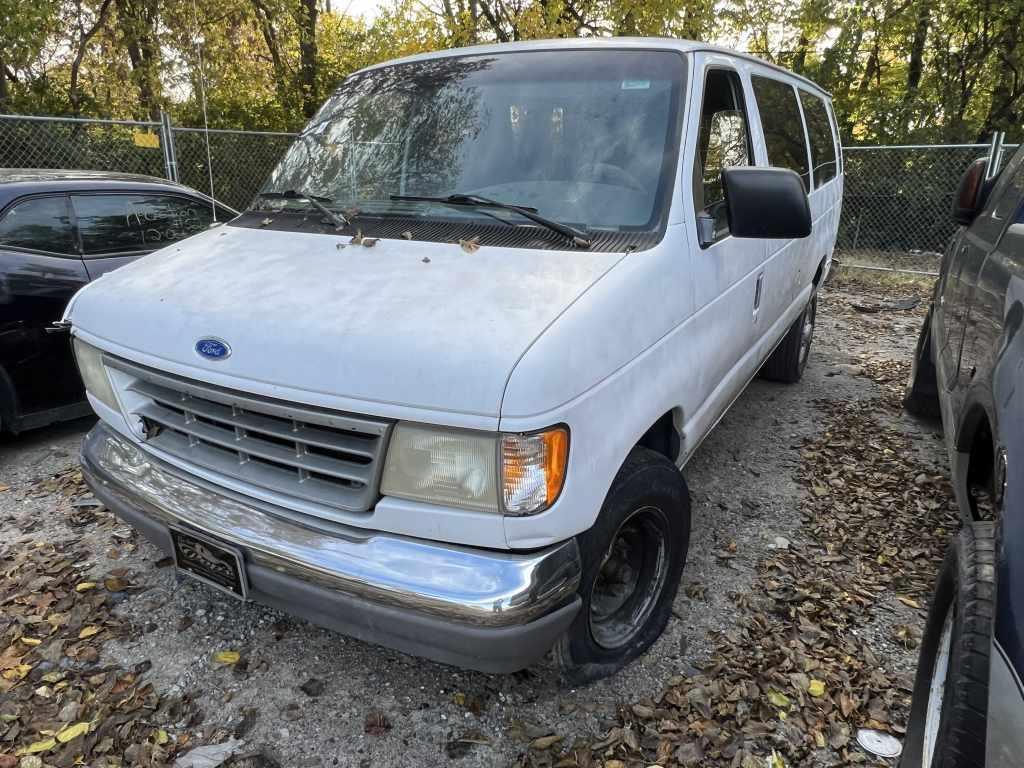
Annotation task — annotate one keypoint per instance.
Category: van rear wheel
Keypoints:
(633, 558)
(788, 361)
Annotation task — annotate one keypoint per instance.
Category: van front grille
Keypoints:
(316, 455)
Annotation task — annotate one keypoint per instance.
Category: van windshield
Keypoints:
(584, 137)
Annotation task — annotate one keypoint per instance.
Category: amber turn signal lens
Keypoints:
(533, 470)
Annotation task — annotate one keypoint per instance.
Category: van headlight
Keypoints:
(94, 373)
(512, 473)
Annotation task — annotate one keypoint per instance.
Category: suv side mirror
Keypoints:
(766, 202)
(968, 201)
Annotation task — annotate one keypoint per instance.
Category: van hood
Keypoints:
(410, 324)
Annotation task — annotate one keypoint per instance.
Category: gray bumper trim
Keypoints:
(493, 611)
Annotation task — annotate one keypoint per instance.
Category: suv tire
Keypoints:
(787, 363)
(948, 713)
(921, 397)
(633, 558)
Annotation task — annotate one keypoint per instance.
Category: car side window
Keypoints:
(823, 145)
(128, 223)
(783, 127)
(39, 224)
(722, 142)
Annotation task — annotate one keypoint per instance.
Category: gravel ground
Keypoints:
(303, 696)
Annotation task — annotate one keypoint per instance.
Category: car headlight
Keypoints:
(441, 466)
(94, 373)
(463, 469)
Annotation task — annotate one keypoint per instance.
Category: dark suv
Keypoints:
(58, 231)
(968, 705)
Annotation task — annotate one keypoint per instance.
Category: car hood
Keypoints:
(410, 324)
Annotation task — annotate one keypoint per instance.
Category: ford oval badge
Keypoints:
(213, 349)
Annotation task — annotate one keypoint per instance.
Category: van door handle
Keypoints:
(758, 289)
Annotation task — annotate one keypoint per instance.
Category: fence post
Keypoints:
(167, 142)
(995, 154)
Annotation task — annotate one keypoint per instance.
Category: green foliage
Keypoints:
(903, 71)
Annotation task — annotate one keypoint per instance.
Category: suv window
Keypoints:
(723, 142)
(39, 224)
(137, 222)
(783, 128)
(823, 145)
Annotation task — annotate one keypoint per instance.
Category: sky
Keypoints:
(365, 8)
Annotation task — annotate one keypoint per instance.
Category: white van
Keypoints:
(435, 388)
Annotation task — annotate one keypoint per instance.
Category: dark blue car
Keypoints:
(58, 231)
(968, 707)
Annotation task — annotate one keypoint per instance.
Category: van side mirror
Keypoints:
(969, 198)
(766, 202)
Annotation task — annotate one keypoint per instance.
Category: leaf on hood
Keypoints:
(472, 245)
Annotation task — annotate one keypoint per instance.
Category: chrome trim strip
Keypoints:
(474, 586)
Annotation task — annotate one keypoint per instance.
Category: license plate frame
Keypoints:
(210, 561)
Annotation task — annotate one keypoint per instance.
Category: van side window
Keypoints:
(823, 145)
(783, 128)
(39, 224)
(722, 142)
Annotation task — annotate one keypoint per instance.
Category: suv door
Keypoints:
(968, 252)
(116, 228)
(986, 305)
(39, 272)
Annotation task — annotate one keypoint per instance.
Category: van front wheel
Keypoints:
(787, 362)
(633, 558)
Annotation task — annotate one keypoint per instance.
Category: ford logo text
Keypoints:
(213, 349)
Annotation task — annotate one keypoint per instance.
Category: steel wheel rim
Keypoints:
(807, 331)
(937, 690)
(632, 575)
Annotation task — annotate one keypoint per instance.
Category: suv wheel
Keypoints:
(921, 397)
(948, 713)
(788, 361)
(633, 558)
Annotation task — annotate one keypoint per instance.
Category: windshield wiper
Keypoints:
(315, 200)
(578, 237)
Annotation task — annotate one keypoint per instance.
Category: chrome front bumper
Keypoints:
(426, 598)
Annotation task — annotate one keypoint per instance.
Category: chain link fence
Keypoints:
(896, 208)
(898, 203)
(231, 166)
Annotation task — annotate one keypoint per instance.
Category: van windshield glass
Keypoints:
(587, 138)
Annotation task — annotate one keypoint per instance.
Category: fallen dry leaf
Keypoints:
(227, 657)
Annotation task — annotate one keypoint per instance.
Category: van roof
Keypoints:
(641, 43)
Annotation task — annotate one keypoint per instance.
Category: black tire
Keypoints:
(965, 592)
(643, 530)
(921, 397)
(787, 363)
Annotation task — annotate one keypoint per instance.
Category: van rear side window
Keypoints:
(823, 145)
(783, 128)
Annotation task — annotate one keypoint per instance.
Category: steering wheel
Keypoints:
(607, 173)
